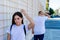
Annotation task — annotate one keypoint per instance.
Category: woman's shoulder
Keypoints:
(12, 26)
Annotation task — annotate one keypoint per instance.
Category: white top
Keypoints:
(39, 25)
(17, 32)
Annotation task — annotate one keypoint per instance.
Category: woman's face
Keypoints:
(18, 20)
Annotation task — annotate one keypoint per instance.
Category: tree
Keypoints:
(47, 4)
(51, 11)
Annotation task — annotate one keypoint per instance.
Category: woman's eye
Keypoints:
(18, 18)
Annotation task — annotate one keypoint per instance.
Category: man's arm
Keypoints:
(47, 15)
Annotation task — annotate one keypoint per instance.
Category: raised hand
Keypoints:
(23, 11)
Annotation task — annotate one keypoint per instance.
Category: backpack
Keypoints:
(23, 28)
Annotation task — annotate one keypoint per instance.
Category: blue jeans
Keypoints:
(39, 37)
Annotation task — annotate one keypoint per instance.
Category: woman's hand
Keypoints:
(8, 36)
(23, 11)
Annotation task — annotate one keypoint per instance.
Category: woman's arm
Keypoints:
(31, 25)
(8, 36)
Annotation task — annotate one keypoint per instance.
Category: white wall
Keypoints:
(43, 5)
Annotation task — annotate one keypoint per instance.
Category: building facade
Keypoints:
(8, 7)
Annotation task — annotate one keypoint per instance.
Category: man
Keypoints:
(39, 28)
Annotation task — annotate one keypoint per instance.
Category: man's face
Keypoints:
(41, 13)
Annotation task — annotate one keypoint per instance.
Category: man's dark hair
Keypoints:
(39, 12)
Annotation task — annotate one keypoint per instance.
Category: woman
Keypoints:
(17, 30)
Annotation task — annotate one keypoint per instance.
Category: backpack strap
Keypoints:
(10, 31)
(24, 29)
(10, 28)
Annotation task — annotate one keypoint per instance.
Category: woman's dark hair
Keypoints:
(19, 14)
